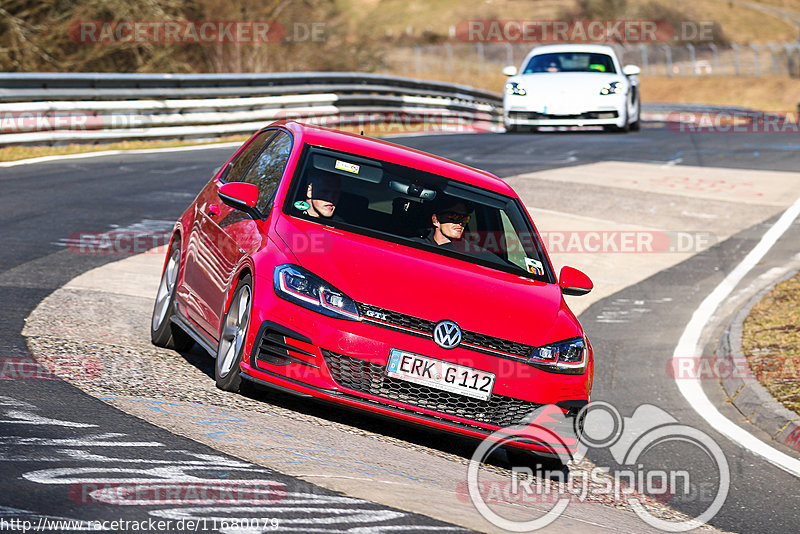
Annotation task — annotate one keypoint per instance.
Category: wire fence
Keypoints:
(709, 59)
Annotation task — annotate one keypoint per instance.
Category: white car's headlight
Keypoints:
(612, 88)
(515, 88)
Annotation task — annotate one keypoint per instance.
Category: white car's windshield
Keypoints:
(570, 62)
(406, 206)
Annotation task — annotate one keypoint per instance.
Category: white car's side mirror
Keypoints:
(631, 70)
(510, 70)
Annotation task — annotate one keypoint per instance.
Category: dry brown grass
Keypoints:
(768, 93)
(771, 342)
(14, 153)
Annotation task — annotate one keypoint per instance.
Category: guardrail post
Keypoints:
(692, 59)
(773, 51)
(645, 64)
(756, 63)
(715, 53)
(668, 54)
(736, 65)
(448, 53)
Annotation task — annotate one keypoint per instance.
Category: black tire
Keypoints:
(512, 129)
(625, 128)
(637, 124)
(232, 337)
(163, 332)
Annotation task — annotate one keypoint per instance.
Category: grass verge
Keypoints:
(771, 342)
(14, 153)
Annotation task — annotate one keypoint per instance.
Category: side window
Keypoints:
(240, 165)
(513, 246)
(268, 169)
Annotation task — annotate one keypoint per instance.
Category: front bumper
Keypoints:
(345, 362)
(586, 118)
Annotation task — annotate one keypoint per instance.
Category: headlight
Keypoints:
(306, 289)
(611, 89)
(515, 88)
(568, 356)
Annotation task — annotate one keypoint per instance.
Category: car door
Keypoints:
(229, 234)
(209, 254)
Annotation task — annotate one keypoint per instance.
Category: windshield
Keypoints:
(570, 62)
(416, 209)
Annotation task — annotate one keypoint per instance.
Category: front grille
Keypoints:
(367, 377)
(394, 318)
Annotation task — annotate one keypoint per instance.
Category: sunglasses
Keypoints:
(453, 217)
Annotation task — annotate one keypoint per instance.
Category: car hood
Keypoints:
(567, 82)
(430, 286)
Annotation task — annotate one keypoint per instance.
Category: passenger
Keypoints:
(322, 195)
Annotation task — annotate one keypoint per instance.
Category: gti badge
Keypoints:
(447, 334)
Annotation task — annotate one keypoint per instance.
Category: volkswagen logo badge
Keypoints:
(447, 334)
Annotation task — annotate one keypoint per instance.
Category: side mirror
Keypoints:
(631, 70)
(510, 70)
(241, 196)
(573, 282)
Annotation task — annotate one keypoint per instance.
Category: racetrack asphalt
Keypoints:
(45, 204)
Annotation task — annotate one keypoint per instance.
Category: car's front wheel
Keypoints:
(637, 124)
(163, 333)
(233, 335)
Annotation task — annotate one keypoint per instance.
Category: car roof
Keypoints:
(549, 49)
(382, 150)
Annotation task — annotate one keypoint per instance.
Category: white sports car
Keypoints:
(572, 85)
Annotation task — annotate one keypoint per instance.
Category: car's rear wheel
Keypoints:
(163, 332)
(233, 336)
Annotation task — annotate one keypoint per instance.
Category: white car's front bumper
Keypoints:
(527, 111)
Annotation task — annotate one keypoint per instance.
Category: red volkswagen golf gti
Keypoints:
(356, 271)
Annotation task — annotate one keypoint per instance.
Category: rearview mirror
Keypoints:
(241, 196)
(510, 70)
(573, 282)
(412, 190)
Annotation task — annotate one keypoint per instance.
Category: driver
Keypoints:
(449, 220)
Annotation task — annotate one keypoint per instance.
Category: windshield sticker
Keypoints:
(344, 166)
(534, 266)
(301, 205)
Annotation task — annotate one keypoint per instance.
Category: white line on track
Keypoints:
(689, 344)
(44, 159)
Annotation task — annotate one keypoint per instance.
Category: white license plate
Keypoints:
(440, 374)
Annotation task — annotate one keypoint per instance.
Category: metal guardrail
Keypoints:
(49, 108)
